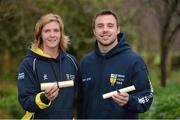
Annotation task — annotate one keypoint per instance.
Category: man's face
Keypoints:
(106, 30)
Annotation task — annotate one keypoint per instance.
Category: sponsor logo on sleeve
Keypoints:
(86, 79)
(21, 76)
(145, 99)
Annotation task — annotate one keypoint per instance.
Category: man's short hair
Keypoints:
(105, 12)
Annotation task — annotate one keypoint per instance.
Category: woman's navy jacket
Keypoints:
(36, 69)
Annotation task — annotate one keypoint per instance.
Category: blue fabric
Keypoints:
(29, 84)
(127, 68)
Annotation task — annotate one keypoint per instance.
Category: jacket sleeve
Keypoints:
(80, 94)
(29, 94)
(141, 99)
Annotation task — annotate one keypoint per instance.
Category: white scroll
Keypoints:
(123, 90)
(62, 84)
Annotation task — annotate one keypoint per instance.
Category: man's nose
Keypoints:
(105, 28)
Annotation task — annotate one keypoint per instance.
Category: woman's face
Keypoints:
(51, 35)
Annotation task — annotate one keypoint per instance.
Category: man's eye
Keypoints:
(99, 26)
(110, 25)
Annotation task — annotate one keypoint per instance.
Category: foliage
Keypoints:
(138, 20)
(18, 18)
(168, 16)
(9, 103)
(166, 103)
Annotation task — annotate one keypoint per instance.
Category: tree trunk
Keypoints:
(163, 66)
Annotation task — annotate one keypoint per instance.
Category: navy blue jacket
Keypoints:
(36, 69)
(98, 72)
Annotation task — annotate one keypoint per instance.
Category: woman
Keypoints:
(47, 61)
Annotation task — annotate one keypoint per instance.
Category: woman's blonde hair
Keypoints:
(45, 19)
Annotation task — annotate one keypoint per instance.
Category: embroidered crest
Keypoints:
(113, 79)
(116, 79)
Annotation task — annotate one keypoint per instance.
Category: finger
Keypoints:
(117, 98)
(51, 90)
(123, 96)
(54, 89)
(117, 101)
(54, 95)
(121, 100)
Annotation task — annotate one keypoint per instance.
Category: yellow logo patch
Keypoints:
(113, 79)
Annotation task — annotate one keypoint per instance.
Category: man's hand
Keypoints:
(121, 98)
(52, 92)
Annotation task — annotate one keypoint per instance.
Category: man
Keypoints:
(112, 66)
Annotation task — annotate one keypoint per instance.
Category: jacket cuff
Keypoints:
(27, 116)
(44, 99)
(41, 103)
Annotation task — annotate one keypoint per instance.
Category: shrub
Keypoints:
(166, 104)
(9, 103)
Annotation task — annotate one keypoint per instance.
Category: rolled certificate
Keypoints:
(62, 84)
(123, 90)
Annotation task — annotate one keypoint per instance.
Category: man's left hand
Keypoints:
(121, 98)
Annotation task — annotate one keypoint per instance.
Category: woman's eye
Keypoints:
(46, 30)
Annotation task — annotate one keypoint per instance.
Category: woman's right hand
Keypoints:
(52, 92)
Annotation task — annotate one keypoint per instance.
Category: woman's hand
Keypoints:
(52, 92)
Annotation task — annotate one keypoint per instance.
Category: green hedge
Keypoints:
(166, 104)
(9, 103)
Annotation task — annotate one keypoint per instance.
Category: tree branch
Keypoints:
(170, 40)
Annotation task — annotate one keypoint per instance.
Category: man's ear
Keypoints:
(93, 31)
(119, 30)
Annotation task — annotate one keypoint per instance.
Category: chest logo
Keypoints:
(70, 77)
(45, 77)
(113, 79)
(116, 79)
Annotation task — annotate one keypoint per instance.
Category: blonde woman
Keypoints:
(47, 61)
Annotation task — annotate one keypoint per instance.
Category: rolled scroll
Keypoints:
(62, 84)
(123, 90)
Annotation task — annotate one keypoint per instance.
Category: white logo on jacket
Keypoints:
(45, 77)
(86, 79)
(145, 99)
(70, 77)
(21, 76)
